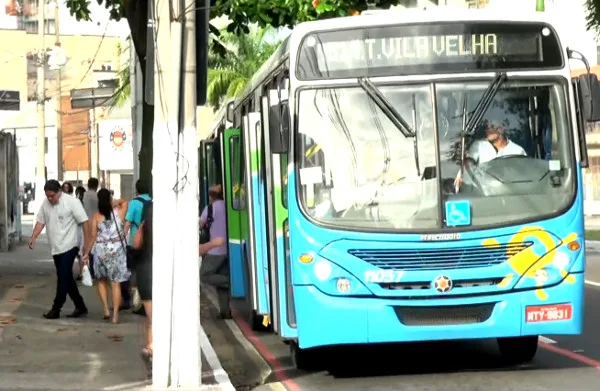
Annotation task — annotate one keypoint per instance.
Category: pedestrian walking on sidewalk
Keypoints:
(61, 215)
(90, 204)
(108, 239)
(142, 242)
(214, 269)
(67, 188)
(79, 192)
(133, 220)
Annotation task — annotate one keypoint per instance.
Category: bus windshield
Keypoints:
(357, 170)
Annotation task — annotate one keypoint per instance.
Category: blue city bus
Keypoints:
(411, 176)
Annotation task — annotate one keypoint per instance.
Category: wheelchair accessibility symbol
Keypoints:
(458, 213)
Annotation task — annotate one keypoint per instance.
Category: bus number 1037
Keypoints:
(385, 276)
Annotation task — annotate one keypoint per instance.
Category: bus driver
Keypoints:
(495, 145)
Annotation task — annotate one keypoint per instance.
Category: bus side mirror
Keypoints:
(589, 97)
(279, 127)
(229, 114)
(581, 122)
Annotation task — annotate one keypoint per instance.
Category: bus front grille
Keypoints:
(444, 315)
(440, 258)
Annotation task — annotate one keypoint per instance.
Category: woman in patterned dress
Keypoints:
(110, 262)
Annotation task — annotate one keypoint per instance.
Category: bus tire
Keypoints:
(301, 358)
(518, 350)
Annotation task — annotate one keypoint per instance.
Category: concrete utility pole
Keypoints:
(176, 306)
(95, 146)
(59, 135)
(40, 173)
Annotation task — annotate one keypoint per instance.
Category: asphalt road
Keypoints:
(562, 363)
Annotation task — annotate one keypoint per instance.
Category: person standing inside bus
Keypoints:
(214, 269)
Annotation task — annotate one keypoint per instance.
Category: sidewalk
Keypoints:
(71, 354)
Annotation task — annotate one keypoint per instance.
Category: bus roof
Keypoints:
(392, 17)
(430, 15)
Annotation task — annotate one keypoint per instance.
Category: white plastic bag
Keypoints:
(86, 276)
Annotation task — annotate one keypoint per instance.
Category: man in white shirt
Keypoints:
(62, 214)
(495, 145)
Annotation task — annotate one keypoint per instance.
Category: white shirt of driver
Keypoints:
(482, 151)
(62, 222)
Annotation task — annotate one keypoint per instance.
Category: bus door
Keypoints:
(234, 198)
(256, 246)
(202, 174)
(282, 300)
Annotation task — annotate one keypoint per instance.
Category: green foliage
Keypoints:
(123, 91)
(80, 9)
(593, 15)
(275, 13)
(230, 72)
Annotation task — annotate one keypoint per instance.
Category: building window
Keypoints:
(598, 54)
(477, 3)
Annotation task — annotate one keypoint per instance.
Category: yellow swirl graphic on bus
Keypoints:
(529, 262)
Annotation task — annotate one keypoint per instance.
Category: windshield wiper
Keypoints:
(484, 103)
(384, 105)
(481, 108)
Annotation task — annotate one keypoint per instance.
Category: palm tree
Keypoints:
(123, 90)
(228, 74)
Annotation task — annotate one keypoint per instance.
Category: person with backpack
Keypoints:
(133, 220)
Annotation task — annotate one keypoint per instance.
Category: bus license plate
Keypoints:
(548, 313)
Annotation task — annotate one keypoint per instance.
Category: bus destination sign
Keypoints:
(419, 49)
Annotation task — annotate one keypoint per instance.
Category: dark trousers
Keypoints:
(65, 283)
(126, 293)
(214, 271)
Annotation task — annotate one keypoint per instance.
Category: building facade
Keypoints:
(92, 51)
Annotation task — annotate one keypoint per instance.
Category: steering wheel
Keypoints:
(468, 169)
(504, 157)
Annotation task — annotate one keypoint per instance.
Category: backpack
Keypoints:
(205, 231)
(145, 203)
(133, 255)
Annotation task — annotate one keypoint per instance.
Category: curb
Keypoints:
(263, 370)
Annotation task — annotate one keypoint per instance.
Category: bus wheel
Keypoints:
(518, 350)
(301, 358)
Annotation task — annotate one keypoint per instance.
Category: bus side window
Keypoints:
(213, 164)
(237, 191)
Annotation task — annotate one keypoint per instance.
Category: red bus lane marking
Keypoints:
(278, 369)
(282, 376)
(571, 355)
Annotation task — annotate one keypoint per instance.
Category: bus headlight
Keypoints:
(550, 269)
(343, 285)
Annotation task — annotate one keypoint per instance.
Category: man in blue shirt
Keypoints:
(133, 219)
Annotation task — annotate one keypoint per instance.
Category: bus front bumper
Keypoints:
(331, 320)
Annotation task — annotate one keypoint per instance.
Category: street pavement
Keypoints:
(90, 354)
(74, 354)
(562, 362)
